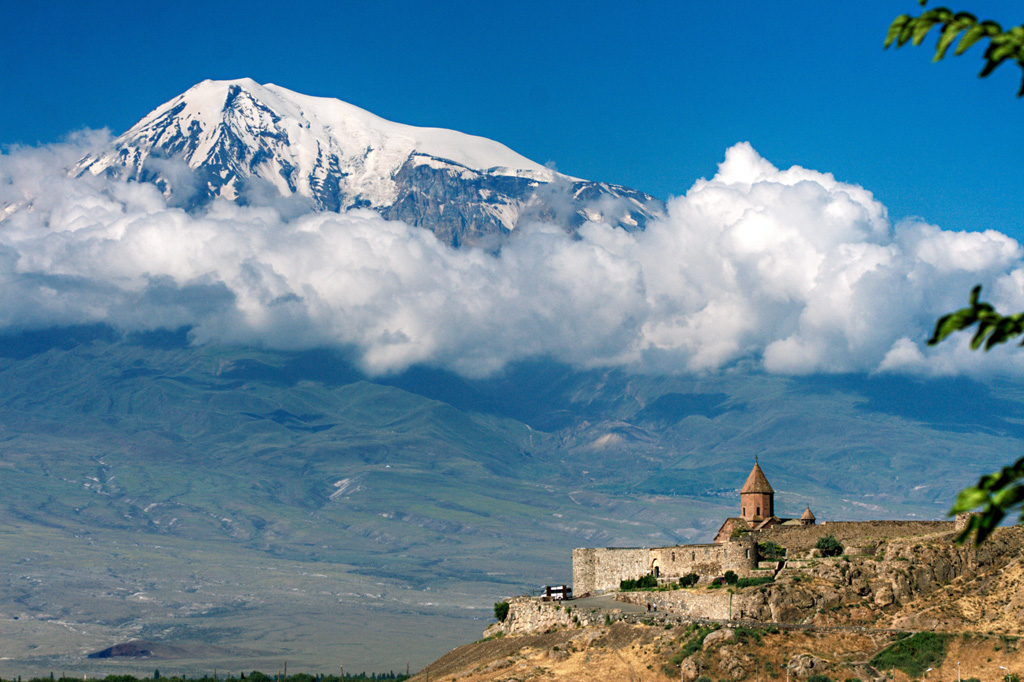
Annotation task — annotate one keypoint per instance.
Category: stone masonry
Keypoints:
(596, 570)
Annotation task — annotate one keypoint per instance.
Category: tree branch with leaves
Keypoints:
(999, 493)
(1003, 45)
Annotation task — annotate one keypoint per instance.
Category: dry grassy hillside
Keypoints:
(641, 652)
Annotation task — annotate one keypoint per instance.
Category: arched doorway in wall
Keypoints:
(655, 569)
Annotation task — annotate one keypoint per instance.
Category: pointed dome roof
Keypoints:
(756, 482)
(808, 515)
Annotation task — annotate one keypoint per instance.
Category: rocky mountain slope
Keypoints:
(247, 142)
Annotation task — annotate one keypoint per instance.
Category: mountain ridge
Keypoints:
(234, 139)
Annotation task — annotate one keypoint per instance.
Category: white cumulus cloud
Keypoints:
(791, 270)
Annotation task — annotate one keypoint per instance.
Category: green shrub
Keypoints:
(646, 582)
(771, 551)
(692, 645)
(750, 582)
(731, 577)
(501, 611)
(914, 654)
(829, 546)
(820, 678)
(744, 635)
(689, 580)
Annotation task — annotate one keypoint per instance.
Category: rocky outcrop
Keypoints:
(528, 615)
(462, 206)
(897, 573)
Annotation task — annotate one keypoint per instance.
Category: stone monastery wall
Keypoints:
(851, 534)
(601, 569)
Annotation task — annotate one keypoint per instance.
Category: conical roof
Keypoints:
(808, 515)
(756, 482)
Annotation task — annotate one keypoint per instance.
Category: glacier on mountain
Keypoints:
(239, 137)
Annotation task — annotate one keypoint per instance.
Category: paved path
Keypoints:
(605, 602)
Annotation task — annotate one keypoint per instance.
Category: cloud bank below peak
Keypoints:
(790, 270)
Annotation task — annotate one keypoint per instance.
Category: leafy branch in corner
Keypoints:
(1002, 45)
(993, 327)
(999, 492)
(1002, 491)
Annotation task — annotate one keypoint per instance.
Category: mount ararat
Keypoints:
(241, 140)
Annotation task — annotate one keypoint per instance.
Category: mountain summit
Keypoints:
(241, 139)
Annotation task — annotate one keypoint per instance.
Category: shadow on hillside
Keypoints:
(951, 404)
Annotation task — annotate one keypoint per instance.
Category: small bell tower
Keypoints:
(757, 498)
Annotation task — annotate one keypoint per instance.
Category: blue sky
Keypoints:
(646, 95)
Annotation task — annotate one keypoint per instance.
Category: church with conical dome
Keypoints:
(734, 548)
(757, 509)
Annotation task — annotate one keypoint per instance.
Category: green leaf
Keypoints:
(1008, 497)
(973, 35)
(921, 28)
(1002, 51)
(905, 34)
(949, 34)
(990, 66)
(895, 28)
(975, 294)
(984, 326)
(968, 499)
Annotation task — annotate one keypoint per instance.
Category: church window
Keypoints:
(758, 511)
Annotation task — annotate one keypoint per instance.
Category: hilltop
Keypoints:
(841, 617)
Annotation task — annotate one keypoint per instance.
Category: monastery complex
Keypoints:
(735, 547)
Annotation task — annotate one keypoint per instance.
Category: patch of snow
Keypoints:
(303, 135)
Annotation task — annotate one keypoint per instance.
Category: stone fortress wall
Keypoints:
(600, 569)
(596, 570)
(863, 535)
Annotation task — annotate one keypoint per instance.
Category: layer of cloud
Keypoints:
(788, 269)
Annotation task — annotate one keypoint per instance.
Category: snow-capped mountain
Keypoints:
(240, 138)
